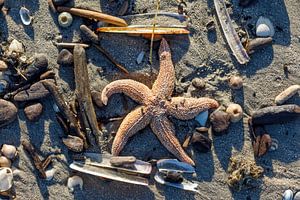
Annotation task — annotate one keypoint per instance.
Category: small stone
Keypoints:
(198, 83)
(34, 111)
(36, 91)
(4, 162)
(120, 161)
(140, 57)
(3, 66)
(201, 142)
(236, 82)
(39, 66)
(220, 121)
(9, 151)
(8, 112)
(15, 46)
(65, 57)
(60, 2)
(96, 97)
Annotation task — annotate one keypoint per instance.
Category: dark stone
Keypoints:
(65, 57)
(34, 111)
(39, 66)
(8, 112)
(36, 91)
(220, 121)
(201, 142)
(198, 83)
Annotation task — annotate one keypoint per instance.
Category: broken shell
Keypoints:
(235, 111)
(236, 82)
(201, 142)
(165, 165)
(73, 143)
(25, 16)
(287, 94)
(73, 182)
(140, 57)
(198, 83)
(50, 174)
(15, 46)
(65, 19)
(288, 195)
(202, 118)
(4, 162)
(220, 121)
(264, 27)
(9, 151)
(3, 66)
(6, 179)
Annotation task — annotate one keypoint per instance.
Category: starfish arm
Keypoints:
(164, 130)
(132, 123)
(164, 84)
(135, 90)
(188, 108)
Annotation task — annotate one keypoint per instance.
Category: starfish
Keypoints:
(156, 105)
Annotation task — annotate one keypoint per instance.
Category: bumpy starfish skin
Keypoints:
(157, 104)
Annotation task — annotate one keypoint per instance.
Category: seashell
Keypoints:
(73, 143)
(8, 112)
(6, 179)
(9, 151)
(65, 19)
(220, 121)
(140, 57)
(33, 112)
(3, 66)
(274, 145)
(202, 118)
(4, 162)
(235, 111)
(123, 161)
(165, 165)
(264, 27)
(185, 185)
(50, 174)
(288, 195)
(75, 181)
(15, 46)
(236, 82)
(287, 94)
(198, 83)
(65, 57)
(25, 16)
(297, 196)
(201, 142)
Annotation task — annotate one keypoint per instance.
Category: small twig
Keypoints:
(69, 45)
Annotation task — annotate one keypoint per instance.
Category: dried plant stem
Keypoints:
(152, 36)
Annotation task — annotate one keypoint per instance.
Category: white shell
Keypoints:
(4, 162)
(140, 57)
(15, 46)
(6, 179)
(25, 16)
(9, 151)
(65, 19)
(202, 118)
(288, 195)
(264, 27)
(297, 196)
(50, 174)
(235, 111)
(74, 181)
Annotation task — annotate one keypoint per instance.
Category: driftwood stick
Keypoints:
(63, 107)
(83, 93)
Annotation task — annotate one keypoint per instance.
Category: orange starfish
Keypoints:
(157, 104)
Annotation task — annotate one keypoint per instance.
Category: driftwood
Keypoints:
(67, 113)
(83, 94)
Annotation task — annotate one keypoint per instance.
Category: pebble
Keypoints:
(15, 46)
(65, 57)
(4, 162)
(220, 121)
(202, 118)
(6, 179)
(73, 182)
(140, 57)
(33, 112)
(39, 66)
(9, 151)
(36, 91)
(287, 94)
(288, 195)
(201, 142)
(235, 111)
(264, 27)
(3, 66)
(60, 2)
(65, 19)
(236, 82)
(198, 83)
(8, 112)
(96, 97)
